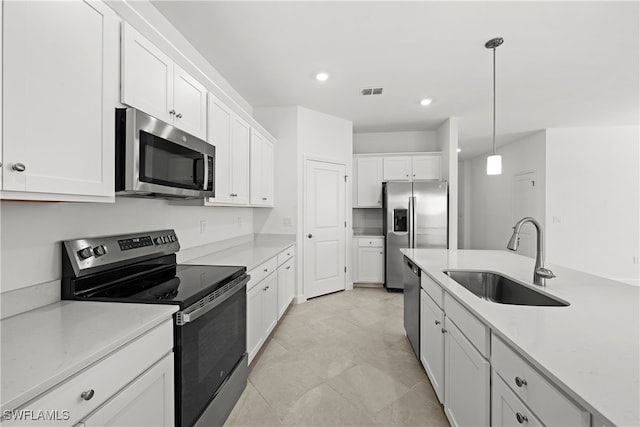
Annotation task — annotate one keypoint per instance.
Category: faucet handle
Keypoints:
(545, 273)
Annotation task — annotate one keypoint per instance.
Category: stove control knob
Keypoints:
(85, 253)
(165, 239)
(172, 238)
(158, 240)
(100, 250)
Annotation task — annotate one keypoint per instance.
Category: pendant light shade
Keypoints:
(494, 162)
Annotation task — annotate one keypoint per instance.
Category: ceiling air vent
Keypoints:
(371, 91)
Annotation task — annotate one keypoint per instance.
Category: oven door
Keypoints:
(210, 341)
(161, 159)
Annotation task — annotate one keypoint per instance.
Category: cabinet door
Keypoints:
(147, 401)
(426, 167)
(371, 265)
(189, 103)
(255, 166)
(219, 129)
(269, 303)
(59, 78)
(369, 182)
(506, 407)
(267, 173)
(147, 76)
(432, 342)
(286, 285)
(240, 160)
(466, 387)
(397, 168)
(255, 331)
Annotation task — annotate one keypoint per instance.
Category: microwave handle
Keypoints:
(205, 180)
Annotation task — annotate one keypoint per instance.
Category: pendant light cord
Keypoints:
(494, 101)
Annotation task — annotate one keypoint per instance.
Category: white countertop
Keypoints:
(590, 349)
(250, 254)
(42, 347)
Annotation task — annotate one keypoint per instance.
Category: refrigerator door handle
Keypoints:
(411, 222)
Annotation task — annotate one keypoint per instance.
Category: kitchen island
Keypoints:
(589, 350)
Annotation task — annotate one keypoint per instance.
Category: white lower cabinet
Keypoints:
(148, 401)
(432, 342)
(131, 386)
(262, 305)
(507, 409)
(286, 285)
(368, 260)
(467, 392)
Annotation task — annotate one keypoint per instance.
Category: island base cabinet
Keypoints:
(507, 409)
(432, 343)
(148, 401)
(467, 392)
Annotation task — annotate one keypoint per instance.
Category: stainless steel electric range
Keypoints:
(209, 330)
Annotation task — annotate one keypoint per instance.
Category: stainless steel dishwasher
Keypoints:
(412, 304)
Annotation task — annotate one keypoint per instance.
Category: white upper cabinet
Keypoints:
(59, 78)
(239, 161)
(147, 76)
(262, 158)
(368, 182)
(397, 168)
(426, 167)
(189, 103)
(153, 83)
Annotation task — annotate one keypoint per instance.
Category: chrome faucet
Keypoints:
(540, 274)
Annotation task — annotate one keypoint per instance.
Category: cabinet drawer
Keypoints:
(471, 327)
(507, 409)
(549, 404)
(286, 254)
(106, 377)
(372, 242)
(432, 289)
(262, 271)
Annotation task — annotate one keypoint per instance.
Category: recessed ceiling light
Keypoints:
(425, 102)
(322, 77)
(459, 150)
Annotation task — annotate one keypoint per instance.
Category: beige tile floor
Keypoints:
(339, 360)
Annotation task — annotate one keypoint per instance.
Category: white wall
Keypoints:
(394, 142)
(593, 196)
(447, 143)
(491, 198)
(32, 231)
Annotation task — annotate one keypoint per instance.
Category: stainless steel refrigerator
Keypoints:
(414, 216)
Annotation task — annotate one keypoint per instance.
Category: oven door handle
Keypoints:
(210, 302)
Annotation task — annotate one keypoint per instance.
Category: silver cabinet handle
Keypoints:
(289, 268)
(264, 198)
(87, 395)
(172, 112)
(179, 115)
(309, 235)
(521, 418)
(266, 269)
(19, 167)
(437, 322)
(444, 331)
(520, 382)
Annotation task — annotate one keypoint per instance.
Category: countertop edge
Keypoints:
(111, 347)
(270, 251)
(566, 389)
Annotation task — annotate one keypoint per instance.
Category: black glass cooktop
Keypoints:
(174, 284)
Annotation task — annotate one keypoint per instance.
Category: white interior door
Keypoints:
(524, 204)
(325, 230)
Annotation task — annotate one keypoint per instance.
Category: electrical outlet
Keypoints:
(203, 226)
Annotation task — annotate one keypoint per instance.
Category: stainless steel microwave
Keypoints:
(155, 159)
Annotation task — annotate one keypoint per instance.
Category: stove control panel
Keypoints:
(87, 255)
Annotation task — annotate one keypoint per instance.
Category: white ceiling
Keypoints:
(562, 64)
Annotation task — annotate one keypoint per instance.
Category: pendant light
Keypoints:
(494, 162)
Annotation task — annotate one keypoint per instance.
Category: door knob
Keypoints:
(309, 235)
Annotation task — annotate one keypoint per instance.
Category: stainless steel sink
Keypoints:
(501, 289)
